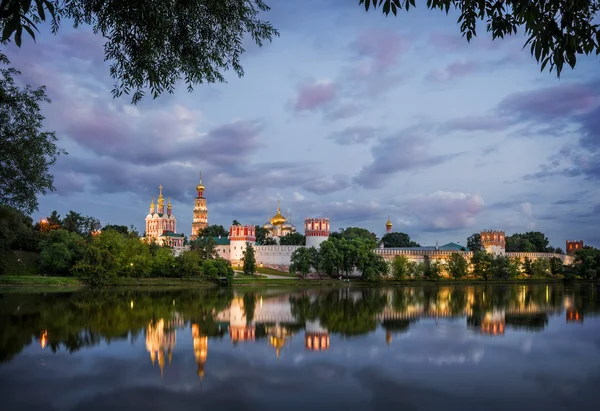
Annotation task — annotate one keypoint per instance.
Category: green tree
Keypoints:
(54, 219)
(261, 234)
(527, 267)
(482, 264)
(98, 266)
(558, 30)
(540, 268)
(474, 242)
(249, 260)
(432, 269)
(557, 266)
(533, 241)
(301, 261)
(189, 264)
(235, 222)
(352, 233)
(401, 267)
(163, 261)
(457, 266)
(153, 44)
(587, 263)
(397, 239)
(504, 268)
(26, 152)
(60, 251)
(315, 260)
(213, 231)
(330, 259)
(119, 228)
(206, 247)
(292, 239)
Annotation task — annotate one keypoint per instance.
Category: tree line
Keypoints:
(353, 250)
(75, 246)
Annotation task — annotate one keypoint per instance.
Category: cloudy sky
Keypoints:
(347, 115)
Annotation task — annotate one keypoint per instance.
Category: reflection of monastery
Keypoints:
(273, 323)
(161, 227)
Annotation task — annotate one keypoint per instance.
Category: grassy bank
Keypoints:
(270, 271)
(244, 280)
(45, 281)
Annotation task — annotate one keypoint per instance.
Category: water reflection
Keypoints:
(327, 326)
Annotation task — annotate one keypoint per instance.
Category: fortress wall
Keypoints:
(566, 259)
(275, 256)
(390, 254)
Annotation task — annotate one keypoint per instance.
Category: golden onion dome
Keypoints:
(200, 186)
(389, 223)
(278, 219)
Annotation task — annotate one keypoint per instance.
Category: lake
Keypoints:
(479, 347)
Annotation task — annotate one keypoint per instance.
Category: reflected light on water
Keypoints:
(409, 335)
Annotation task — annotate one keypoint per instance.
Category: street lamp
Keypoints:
(42, 222)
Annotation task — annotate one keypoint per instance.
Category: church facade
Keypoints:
(161, 227)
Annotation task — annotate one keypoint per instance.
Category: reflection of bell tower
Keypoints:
(388, 337)
(200, 349)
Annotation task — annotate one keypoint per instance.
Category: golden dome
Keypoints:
(389, 223)
(278, 219)
(200, 186)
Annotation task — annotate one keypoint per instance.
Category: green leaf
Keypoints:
(18, 33)
(30, 31)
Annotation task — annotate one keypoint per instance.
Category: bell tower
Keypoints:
(200, 220)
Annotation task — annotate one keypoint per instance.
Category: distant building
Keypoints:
(200, 218)
(161, 227)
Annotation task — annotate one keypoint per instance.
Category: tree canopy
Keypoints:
(292, 239)
(152, 44)
(213, 231)
(558, 30)
(397, 239)
(352, 233)
(474, 242)
(26, 152)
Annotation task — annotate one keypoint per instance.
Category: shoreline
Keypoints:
(12, 282)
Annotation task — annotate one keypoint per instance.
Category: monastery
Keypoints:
(162, 228)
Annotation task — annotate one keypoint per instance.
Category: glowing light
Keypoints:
(546, 293)
(44, 339)
(131, 304)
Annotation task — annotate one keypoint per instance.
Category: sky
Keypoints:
(348, 115)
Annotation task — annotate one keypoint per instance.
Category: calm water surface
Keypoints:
(460, 347)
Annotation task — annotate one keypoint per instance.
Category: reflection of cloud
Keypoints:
(526, 346)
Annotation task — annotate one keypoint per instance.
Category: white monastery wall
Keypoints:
(275, 256)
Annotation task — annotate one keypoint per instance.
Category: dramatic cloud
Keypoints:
(398, 153)
(445, 210)
(551, 103)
